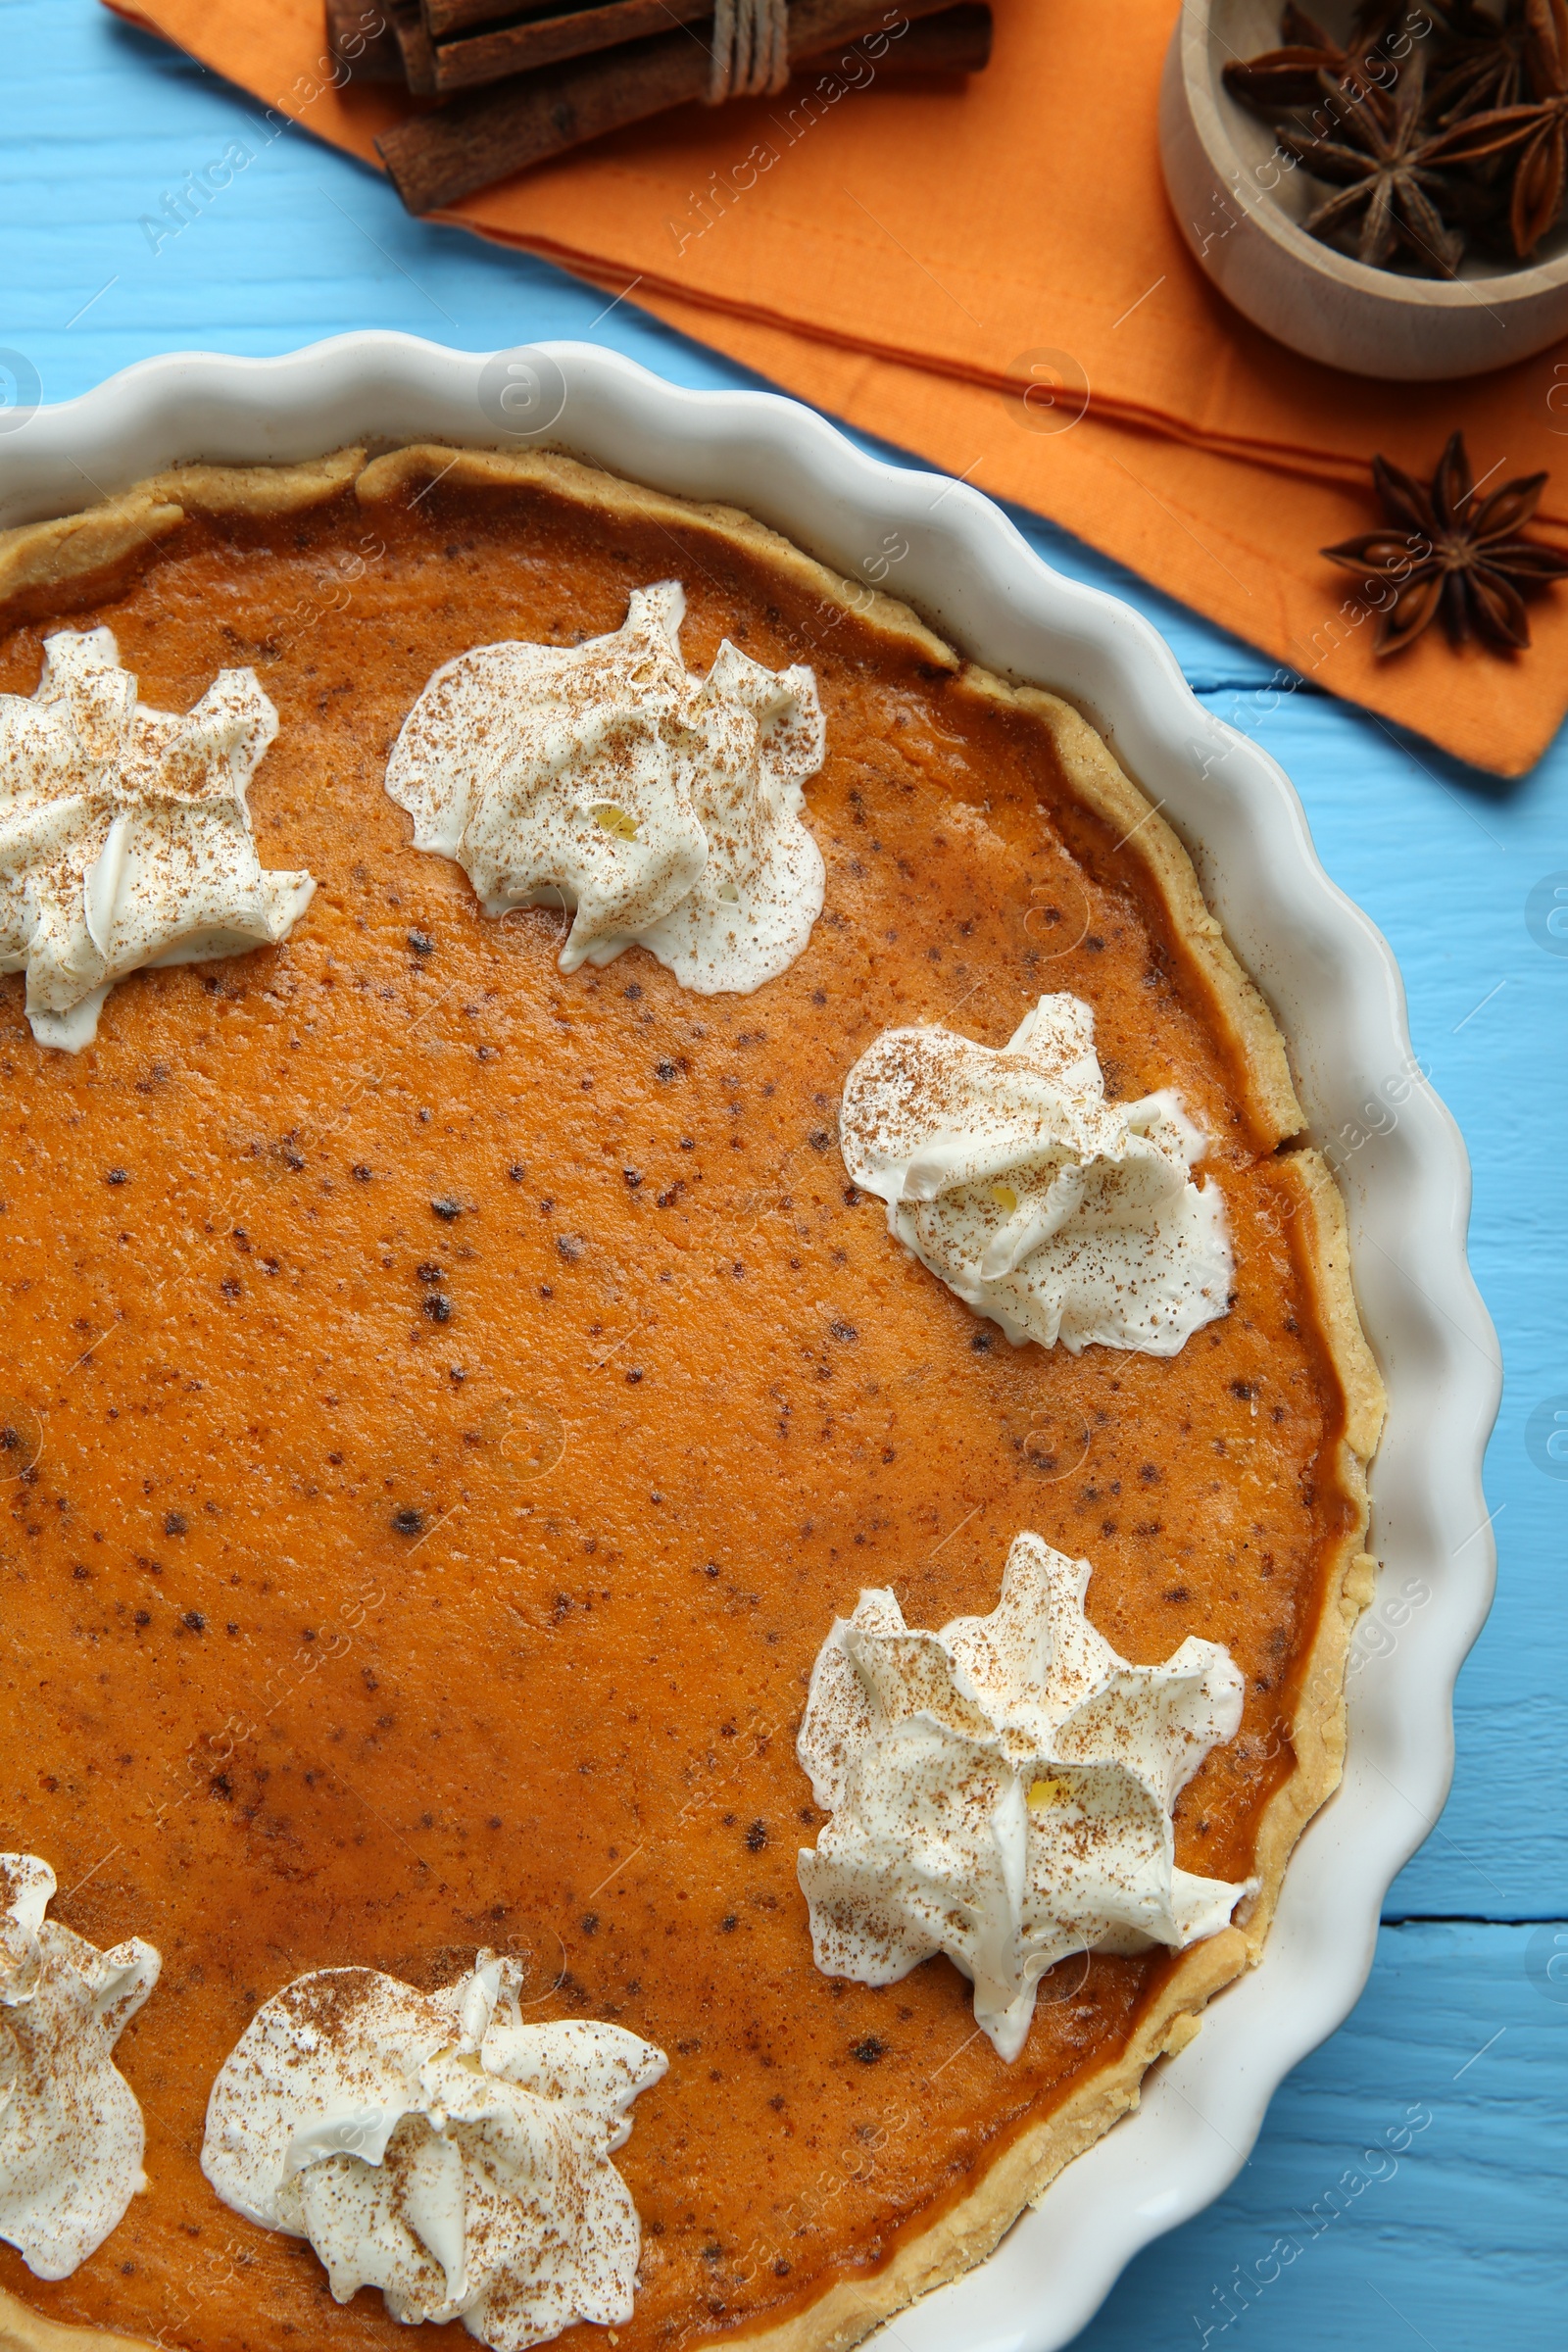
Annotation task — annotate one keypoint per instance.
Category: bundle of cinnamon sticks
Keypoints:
(516, 81)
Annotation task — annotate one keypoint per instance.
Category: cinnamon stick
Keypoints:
(360, 36)
(448, 17)
(485, 56)
(961, 46)
(957, 41)
(438, 159)
(416, 44)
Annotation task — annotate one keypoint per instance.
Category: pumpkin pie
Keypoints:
(687, 1434)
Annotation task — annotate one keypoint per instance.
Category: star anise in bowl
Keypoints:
(1441, 129)
(1441, 553)
(1529, 139)
(1388, 189)
(1290, 74)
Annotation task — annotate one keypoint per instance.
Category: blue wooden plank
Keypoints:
(1409, 2185)
(1459, 2243)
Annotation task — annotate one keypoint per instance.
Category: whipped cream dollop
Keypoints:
(1006, 1172)
(604, 777)
(124, 838)
(1002, 1791)
(434, 2145)
(70, 2130)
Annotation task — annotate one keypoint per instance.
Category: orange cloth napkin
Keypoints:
(903, 256)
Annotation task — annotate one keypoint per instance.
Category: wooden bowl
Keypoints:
(1239, 213)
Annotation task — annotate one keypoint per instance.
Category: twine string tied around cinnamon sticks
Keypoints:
(751, 49)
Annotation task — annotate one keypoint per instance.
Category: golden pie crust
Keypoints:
(84, 562)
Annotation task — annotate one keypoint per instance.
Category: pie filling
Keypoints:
(460, 1374)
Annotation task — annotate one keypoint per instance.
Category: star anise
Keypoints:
(1382, 156)
(1289, 75)
(1447, 555)
(1483, 63)
(1535, 134)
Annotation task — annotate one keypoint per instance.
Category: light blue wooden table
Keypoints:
(1464, 2244)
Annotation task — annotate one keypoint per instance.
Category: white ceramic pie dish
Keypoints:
(1335, 988)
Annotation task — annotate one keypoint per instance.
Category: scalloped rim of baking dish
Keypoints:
(1330, 978)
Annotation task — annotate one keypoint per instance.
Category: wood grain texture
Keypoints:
(1462, 2245)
